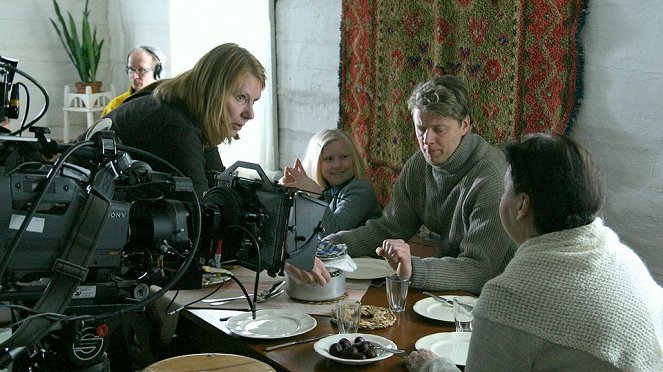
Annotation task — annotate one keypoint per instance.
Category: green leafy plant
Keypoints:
(85, 51)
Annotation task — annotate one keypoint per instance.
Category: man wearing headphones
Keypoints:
(144, 66)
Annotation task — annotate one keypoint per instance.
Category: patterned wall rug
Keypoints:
(520, 59)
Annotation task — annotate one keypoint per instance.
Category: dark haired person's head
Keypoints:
(552, 178)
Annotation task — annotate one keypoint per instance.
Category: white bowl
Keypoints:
(322, 347)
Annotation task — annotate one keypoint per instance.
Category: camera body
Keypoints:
(250, 221)
(262, 224)
(148, 222)
(150, 229)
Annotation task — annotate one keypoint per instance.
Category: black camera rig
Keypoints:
(85, 236)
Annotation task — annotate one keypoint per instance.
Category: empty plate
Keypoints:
(433, 309)
(370, 268)
(271, 323)
(453, 345)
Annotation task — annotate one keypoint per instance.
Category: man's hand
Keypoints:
(417, 359)
(318, 274)
(397, 253)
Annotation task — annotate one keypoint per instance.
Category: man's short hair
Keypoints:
(156, 54)
(444, 96)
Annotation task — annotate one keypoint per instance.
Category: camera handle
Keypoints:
(247, 165)
(68, 272)
(72, 267)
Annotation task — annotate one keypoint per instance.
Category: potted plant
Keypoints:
(83, 51)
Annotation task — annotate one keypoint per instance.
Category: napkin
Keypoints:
(327, 250)
(343, 262)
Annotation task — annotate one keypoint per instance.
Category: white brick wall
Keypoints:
(620, 121)
(307, 45)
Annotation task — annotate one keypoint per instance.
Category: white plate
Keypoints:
(271, 323)
(370, 268)
(322, 347)
(453, 345)
(433, 309)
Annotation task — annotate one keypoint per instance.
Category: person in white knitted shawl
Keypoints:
(574, 297)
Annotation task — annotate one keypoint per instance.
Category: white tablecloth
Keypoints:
(191, 298)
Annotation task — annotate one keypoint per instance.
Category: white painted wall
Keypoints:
(27, 35)
(619, 120)
(308, 37)
(134, 23)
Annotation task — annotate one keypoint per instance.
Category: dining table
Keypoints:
(206, 330)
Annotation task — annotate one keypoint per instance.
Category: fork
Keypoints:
(381, 350)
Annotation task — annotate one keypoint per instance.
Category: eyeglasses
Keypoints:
(431, 98)
(139, 71)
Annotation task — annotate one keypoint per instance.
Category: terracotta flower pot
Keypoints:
(95, 85)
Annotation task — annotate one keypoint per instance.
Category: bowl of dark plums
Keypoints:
(354, 348)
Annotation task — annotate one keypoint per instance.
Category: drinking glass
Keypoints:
(348, 313)
(463, 307)
(397, 292)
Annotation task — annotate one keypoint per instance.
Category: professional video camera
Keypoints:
(9, 102)
(87, 235)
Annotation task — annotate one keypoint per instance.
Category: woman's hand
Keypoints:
(296, 178)
(417, 359)
(318, 274)
(397, 253)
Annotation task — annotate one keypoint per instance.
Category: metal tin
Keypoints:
(313, 292)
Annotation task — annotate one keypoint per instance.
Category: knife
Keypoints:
(315, 338)
(440, 298)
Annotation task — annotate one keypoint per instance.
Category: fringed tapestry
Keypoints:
(519, 58)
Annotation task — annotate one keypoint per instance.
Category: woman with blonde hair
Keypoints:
(333, 170)
(183, 119)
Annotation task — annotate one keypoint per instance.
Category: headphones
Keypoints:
(156, 54)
